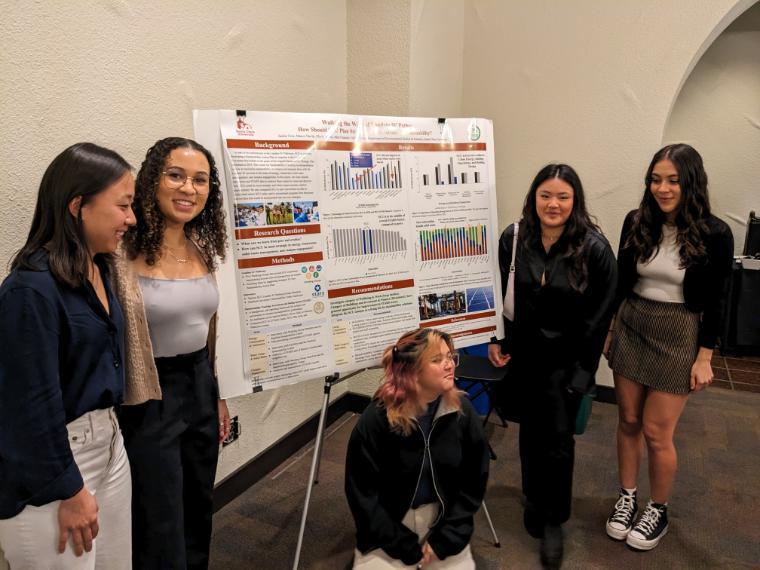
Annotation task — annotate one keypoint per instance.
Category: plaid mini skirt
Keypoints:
(655, 344)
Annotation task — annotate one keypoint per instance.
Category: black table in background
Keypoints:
(741, 333)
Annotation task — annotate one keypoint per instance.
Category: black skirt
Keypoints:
(655, 344)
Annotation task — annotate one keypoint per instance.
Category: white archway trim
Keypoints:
(737, 10)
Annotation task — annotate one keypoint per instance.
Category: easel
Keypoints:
(330, 381)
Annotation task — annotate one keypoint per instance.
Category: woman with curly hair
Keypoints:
(173, 419)
(564, 287)
(417, 462)
(674, 263)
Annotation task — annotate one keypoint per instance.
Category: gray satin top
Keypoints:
(179, 312)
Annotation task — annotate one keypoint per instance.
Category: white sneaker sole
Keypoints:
(639, 544)
(616, 533)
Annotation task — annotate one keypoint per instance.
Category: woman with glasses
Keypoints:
(173, 419)
(417, 462)
(65, 487)
(564, 287)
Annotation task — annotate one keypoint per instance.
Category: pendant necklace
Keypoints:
(179, 259)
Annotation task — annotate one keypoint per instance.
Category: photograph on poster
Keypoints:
(305, 212)
(250, 214)
(480, 299)
(280, 213)
(435, 305)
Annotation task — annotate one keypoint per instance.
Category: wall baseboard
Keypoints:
(265, 462)
(240, 480)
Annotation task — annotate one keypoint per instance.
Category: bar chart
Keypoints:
(359, 173)
(450, 174)
(348, 242)
(449, 243)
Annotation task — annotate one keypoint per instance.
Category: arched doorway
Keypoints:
(717, 110)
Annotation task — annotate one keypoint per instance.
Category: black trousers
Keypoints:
(547, 425)
(547, 443)
(173, 447)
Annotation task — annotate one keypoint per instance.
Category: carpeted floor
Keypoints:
(714, 513)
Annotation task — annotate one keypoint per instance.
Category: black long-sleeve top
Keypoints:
(60, 358)
(705, 285)
(555, 311)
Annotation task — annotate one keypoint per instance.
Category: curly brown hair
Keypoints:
(207, 230)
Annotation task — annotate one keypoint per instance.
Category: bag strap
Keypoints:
(509, 298)
(514, 247)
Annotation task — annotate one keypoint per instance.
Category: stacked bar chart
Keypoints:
(448, 243)
(344, 176)
(357, 241)
(448, 176)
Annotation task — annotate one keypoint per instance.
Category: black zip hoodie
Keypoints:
(383, 470)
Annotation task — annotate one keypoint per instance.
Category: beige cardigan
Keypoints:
(141, 376)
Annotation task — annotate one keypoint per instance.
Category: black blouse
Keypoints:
(555, 311)
(61, 358)
(705, 285)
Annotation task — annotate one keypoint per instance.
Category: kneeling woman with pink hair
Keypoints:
(417, 463)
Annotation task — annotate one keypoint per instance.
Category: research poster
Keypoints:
(346, 231)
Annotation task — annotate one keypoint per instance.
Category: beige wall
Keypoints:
(588, 82)
(437, 58)
(718, 112)
(378, 56)
(126, 73)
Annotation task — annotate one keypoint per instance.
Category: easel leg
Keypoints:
(329, 381)
(496, 542)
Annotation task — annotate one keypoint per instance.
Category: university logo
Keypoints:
(243, 127)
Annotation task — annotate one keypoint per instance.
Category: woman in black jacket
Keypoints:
(674, 264)
(417, 462)
(564, 287)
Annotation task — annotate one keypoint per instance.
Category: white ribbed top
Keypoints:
(179, 312)
(660, 278)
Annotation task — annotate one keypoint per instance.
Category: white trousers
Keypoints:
(30, 539)
(419, 521)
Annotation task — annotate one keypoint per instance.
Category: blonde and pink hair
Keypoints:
(402, 363)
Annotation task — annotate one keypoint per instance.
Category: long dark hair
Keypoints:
(83, 169)
(207, 229)
(691, 214)
(570, 244)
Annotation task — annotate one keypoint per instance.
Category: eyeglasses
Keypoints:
(443, 359)
(176, 178)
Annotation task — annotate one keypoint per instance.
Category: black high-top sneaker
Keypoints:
(621, 520)
(650, 528)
